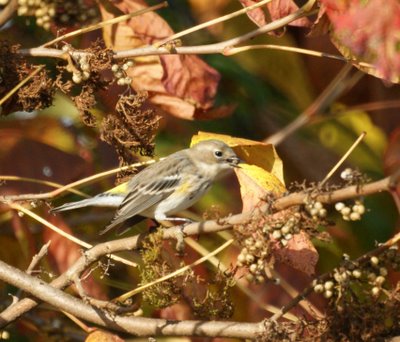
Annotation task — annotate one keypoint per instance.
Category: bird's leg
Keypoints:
(179, 235)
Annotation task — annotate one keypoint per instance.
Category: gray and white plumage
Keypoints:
(167, 186)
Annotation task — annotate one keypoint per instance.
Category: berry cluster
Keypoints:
(254, 256)
(66, 13)
(120, 73)
(283, 231)
(315, 209)
(370, 275)
(81, 70)
(353, 213)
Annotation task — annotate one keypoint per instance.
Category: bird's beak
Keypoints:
(234, 161)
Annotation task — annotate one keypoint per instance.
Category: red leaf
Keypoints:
(191, 79)
(299, 253)
(277, 9)
(282, 8)
(370, 29)
(257, 15)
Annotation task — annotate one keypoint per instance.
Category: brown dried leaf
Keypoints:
(299, 253)
(179, 84)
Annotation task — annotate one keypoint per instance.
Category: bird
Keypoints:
(166, 187)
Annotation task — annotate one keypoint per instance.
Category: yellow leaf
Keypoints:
(250, 151)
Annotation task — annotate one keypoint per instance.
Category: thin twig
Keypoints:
(59, 231)
(345, 156)
(235, 50)
(211, 22)
(68, 187)
(40, 181)
(336, 88)
(369, 106)
(37, 257)
(220, 47)
(34, 262)
(179, 271)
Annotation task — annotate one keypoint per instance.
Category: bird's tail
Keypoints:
(75, 205)
(97, 201)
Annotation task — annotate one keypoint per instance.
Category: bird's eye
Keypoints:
(218, 154)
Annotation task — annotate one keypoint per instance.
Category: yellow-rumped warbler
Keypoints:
(167, 186)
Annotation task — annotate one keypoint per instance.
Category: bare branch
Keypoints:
(138, 326)
(151, 50)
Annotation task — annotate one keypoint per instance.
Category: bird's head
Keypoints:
(216, 152)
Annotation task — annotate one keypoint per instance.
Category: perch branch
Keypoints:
(138, 326)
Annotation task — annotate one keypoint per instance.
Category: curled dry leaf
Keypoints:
(275, 9)
(183, 86)
(298, 253)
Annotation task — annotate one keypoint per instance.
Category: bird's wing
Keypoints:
(147, 188)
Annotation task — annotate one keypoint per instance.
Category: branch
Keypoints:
(138, 326)
(151, 50)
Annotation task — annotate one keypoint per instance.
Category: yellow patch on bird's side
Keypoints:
(184, 188)
(119, 189)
